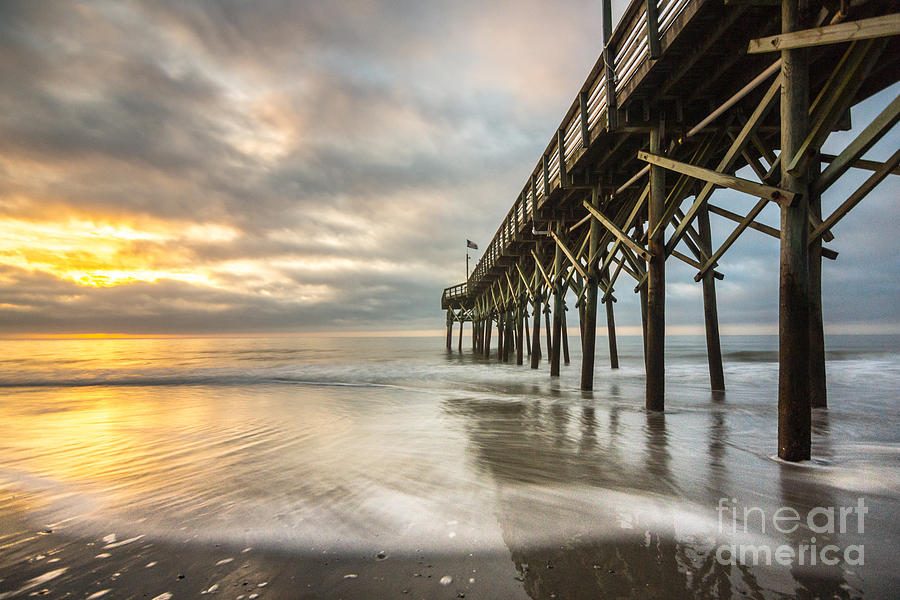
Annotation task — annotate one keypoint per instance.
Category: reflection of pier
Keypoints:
(683, 96)
(584, 518)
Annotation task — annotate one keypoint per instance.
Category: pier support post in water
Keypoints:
(558, 307)
(536, 333)
(509, 337)
(488, 328)
(520, 351)
(710, 310)
(590, 303)
(527, 334)
(449, 332)
(639, 233)
(818, 394)
(611, 325)
(565, 332)
(656, 281)
(611, 334)
(794, 434)
(501, 335)
(547, 326)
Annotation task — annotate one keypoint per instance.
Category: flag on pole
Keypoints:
(471, 244)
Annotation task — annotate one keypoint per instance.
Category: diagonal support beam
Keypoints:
(687, 259)
(525, 282)
(512, 292)
(863, 29)
(727, 162)
(611, 227)
(673, 200)
(732, 238)
(569, 255)
(867, 138)
(835, 99)
(607, 295)
(762, 227)
(718, 178)
(537, 262)
(859, 163)
(855, 198)
(625, 227)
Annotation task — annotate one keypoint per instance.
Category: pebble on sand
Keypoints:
(446, 580)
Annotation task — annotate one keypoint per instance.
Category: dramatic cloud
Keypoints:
(181, 167)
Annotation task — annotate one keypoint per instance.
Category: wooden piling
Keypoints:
(643, 301)
(818, 394)
(488, 327)
(590, 303)
(656, 282)
(501, 335)
(508, 337)
(520, 351)
(710, 309)
(611, 329)
(548, 328)
(527, 334)
(558, 307)
(794, 426)
(565, 333)
(461, 323)
(449, 332)
(536, 335)
(611, 335)
(479, 339)
(581, 325)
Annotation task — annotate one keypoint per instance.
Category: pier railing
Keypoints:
(453, 294)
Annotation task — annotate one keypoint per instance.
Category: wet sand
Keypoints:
(53, 564)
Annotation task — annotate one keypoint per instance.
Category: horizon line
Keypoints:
(627, 331)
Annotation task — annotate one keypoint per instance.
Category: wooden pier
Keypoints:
(685, 94)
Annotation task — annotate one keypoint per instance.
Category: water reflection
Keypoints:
(612, 498)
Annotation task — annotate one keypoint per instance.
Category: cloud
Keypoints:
(225, 166)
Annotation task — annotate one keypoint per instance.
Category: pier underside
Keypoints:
(686, 94)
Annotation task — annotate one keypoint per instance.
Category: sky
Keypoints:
(278, 167)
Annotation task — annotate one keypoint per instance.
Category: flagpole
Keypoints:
(467, 264)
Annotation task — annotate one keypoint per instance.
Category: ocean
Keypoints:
(389, 467)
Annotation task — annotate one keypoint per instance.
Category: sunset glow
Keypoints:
(179, 169)
(96, 254)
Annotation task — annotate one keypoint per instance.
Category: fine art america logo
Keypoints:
(821, 520)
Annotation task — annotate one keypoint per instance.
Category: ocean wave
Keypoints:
(177, 380)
